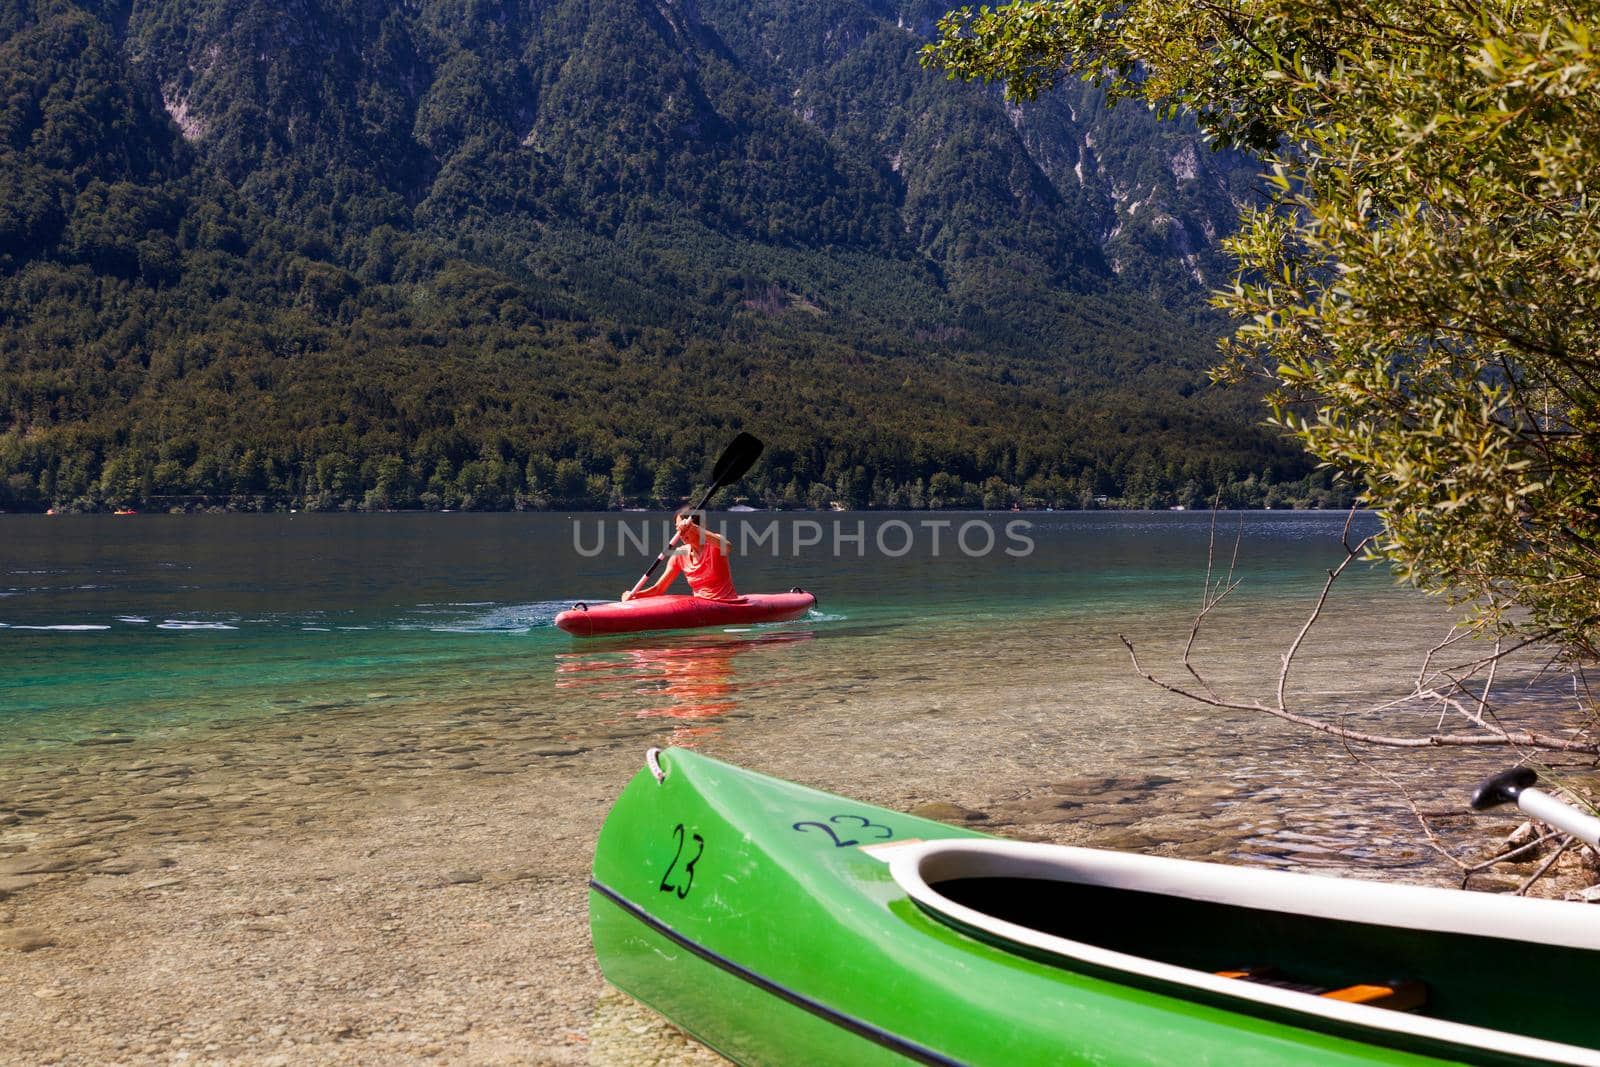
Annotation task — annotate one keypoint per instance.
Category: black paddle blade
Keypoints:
(736, 459)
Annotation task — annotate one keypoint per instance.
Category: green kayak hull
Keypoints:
(761, 917)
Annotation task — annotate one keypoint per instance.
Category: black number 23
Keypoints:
(667, 883)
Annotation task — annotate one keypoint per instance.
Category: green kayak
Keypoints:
(782, 925)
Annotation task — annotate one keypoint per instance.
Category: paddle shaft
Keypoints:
(1561, 815)
(1515, 786)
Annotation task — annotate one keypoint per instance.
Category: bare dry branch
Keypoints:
(1422, 820)
(1210, 597)
(1520, 737)
(1522, 890)
(1512, 855)
(1316, 612)
(1455, 688)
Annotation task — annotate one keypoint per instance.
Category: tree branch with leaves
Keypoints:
(1423, 290)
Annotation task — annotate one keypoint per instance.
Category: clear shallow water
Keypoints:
(223, 656)
(128, 624)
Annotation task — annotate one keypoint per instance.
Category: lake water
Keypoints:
(357, 653)
(126, 625)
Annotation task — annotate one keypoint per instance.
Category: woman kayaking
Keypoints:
(702, 560)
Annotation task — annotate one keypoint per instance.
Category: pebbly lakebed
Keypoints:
(324, 788)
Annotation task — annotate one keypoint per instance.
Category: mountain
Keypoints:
(470, 253)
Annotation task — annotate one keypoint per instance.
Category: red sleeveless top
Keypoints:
(707, 571)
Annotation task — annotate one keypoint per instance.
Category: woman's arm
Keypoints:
(674, 568)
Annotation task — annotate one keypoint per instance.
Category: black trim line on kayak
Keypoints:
(893, 1042)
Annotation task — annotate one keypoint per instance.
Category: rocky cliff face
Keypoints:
(780, 121)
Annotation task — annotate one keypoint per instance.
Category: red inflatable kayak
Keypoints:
(683, 613)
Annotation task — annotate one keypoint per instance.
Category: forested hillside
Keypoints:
(475, 253)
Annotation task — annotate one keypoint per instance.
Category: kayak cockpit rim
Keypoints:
(920, 867)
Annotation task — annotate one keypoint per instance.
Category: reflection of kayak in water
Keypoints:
(679, 683)
(683, 613)
(691, 682)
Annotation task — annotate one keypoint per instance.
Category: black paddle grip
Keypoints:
(1503, 788)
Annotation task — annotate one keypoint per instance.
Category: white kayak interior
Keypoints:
(920, 867)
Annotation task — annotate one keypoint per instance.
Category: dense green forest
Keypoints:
(493, 255)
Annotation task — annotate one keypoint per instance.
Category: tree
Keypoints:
(1421, 284)
(671, 482)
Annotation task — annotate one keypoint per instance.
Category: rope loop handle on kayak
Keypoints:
(651, 761)
(797, 589)
(580, 606)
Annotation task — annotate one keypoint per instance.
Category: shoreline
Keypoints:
(356, 890)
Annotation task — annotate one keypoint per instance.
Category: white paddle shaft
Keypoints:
(645, 577)
(1561, 815)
